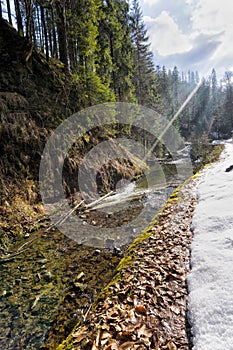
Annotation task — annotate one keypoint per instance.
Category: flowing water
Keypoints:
(50, 283)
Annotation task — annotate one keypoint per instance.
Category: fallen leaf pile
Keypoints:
(146, 308)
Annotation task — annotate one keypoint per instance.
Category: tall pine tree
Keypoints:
(145, 81)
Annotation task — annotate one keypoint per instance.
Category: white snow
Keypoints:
(210, 282)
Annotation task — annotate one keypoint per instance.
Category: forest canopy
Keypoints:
(104, 49)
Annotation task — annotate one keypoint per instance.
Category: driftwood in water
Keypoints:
(11, 256)
(88, 206)
(122, 200)
(64, 218)
(130, 197)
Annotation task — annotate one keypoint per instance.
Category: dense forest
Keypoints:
(104, 49)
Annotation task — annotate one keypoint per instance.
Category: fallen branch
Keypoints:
(118, 201)
(90, 205)
(35, 302)
(26, 243)
(62, 220)
(71, 212)
(10, 257)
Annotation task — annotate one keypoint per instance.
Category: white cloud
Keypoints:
(165, 35)
(150, 2)
(198, 33)
(211, 16)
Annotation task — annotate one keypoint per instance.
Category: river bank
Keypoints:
(145, 305)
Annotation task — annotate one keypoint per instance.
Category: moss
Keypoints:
(66, 344)
(129, 257)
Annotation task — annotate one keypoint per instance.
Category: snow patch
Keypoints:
(210, 282)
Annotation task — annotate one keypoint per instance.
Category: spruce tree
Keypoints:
(145, 81)
(116, 53)
(228, 104)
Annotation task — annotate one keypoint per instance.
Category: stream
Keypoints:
(51, 284)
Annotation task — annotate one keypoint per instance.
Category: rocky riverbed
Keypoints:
(48, 287)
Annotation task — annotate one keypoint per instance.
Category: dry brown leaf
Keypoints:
(171, 346)
(140, 309)
(127, 345)
(105, 335)
(94, 347)
(143, 331)
(113, 346)
(124, 336)
(112, 315)
(97, 340)
(175, 309)
(78, 338)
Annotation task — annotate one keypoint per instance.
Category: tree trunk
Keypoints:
(0, 9)
(18, 18)
(49, 27)
(28, 4)
(55, 51)
(45, 32)
(61, 30)
(39, 30)
(9, 11)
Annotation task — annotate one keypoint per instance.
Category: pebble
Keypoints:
(48, 276)
(43, 261)
(83, 216)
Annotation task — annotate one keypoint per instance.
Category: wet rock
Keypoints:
(80, 286)
(109, 243)
(43, 261)
(6, 293)
(48, 276)
(117, 252)
(83, 216)
(40, 255)
(80, 275)
(24, 279)
(3, 294)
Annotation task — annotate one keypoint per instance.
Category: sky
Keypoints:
(191, 34)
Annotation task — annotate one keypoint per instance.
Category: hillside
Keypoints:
(35, 97)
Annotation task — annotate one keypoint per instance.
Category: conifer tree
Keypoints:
(9, 11)
(144, 79)
(118, 50)
(62, 31)
(18, 17)
(228, 104)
